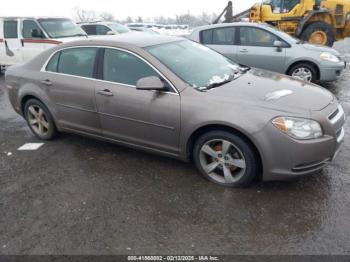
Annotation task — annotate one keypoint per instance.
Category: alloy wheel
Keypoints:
(222, 161)
(38, 120)
(303, 73)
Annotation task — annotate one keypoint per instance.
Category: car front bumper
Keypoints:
(285, 158)
(331, 72)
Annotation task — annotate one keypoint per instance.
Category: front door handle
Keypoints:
(47, 82)
(105, 92)
(244, 51)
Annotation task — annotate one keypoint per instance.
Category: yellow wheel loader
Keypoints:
(315, 21)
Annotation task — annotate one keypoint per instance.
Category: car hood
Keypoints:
(319, 48)
(275, 91)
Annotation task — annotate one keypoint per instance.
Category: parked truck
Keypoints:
(22, 38)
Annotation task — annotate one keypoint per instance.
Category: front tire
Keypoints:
(304, 71)
(40, 120)
(319, 33)
(226, 159)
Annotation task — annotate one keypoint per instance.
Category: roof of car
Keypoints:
(264, 25)
(138, 39)
(97, 23)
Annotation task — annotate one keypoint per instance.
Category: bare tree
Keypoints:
(129, 20)
(83, 15)
(106, 16)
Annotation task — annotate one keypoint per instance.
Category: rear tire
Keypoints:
(40, 120)
(304, 71)
(319, 33)
(226, 159)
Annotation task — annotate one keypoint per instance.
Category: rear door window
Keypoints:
(218, 36)
(207, 37)
(77, 61)
(10, 29)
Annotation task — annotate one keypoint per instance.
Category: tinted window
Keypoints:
(89, 29)
(250, 36)
(102, 30)
(28, 27)
(207, 37)
(125, 68)
(52, 65)
(10, 29)
(218, 36)
(77, 61)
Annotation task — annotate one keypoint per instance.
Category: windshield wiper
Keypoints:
(235, 74)
(217, 84)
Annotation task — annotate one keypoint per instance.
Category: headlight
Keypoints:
(298, 128)
(329, 57)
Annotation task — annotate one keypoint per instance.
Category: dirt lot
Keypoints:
(80, 196)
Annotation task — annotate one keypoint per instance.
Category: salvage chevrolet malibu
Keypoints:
(181, 99)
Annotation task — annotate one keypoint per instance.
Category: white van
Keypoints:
(22, 38)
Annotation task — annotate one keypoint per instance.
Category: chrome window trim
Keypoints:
(43, 68)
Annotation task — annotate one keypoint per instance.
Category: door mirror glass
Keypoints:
(150, 83)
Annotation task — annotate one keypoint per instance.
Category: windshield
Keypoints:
(196, 64)
(281, 6)
(58, 28)
(119, 28)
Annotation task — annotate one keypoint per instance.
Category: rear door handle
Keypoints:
(47, 82)
(105, 92)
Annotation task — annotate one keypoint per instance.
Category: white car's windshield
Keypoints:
(196, 64)
(119, 28)
(58, 28)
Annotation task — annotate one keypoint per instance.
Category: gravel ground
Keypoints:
(80, 196)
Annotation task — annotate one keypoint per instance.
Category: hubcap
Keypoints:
(318, 37)
(38, 120)
(222, 161)
(303, 73)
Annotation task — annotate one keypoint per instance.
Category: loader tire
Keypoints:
(319, 33)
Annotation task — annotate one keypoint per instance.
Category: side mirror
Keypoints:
(111, 33)
(279, 45)
(36, 33)
(150, 83)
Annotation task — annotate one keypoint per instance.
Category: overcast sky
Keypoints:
(119, 8)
